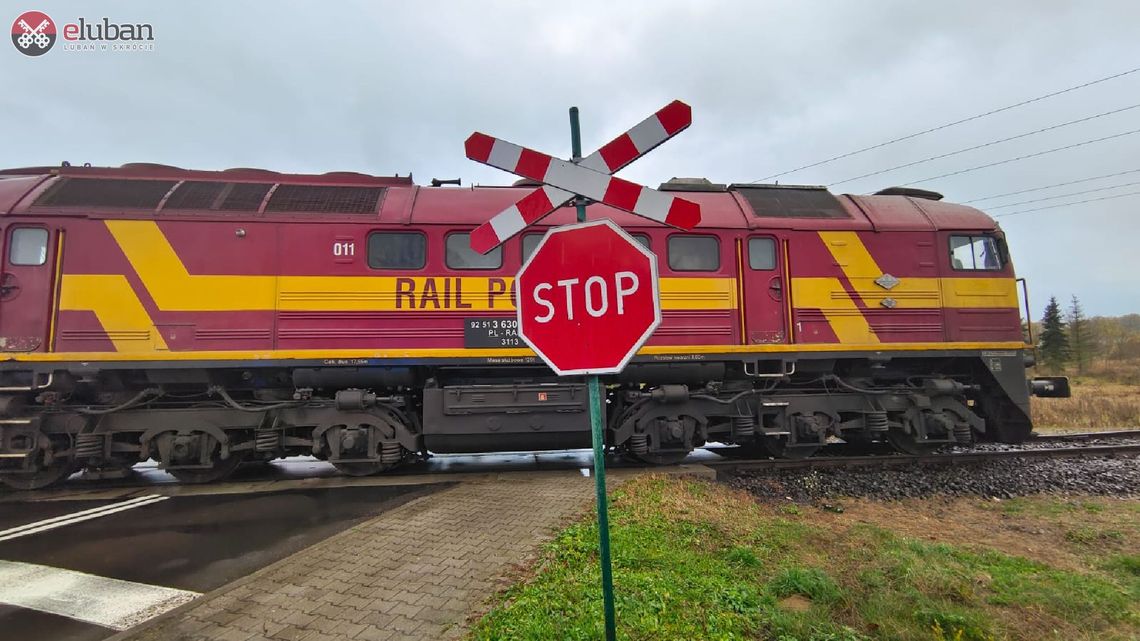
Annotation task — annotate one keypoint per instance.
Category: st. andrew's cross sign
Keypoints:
(589, 177)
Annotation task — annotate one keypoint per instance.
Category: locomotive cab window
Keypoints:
(694, 253)
(975, 253)
(762, 254)
(28, 246)
(461, 256)
(397, 250)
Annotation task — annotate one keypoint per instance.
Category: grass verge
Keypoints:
(1108, 396)
(697, 560)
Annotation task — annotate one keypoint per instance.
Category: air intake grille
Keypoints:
(791, 202)
(324, 199)
(194, 194)
(106, 192)
(245, 196)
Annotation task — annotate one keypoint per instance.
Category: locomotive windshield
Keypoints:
(975, 253)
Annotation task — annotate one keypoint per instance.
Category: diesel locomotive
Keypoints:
(206, 318)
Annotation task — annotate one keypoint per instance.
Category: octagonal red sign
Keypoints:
(587, 298)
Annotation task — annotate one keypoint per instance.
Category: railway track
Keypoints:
(1086, 436)
(730, 466)
(840, 456)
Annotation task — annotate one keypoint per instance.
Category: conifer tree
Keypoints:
(1054, 344)
(1080, 335)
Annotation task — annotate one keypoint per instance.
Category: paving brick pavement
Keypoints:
(415, 572)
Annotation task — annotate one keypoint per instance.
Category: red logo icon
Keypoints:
(33, 33)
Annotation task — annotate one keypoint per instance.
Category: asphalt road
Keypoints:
(192, 544)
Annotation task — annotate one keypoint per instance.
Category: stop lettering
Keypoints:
(594, 296)
(587, 298)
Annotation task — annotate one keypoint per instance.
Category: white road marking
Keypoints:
(111, 603)
(78, 517)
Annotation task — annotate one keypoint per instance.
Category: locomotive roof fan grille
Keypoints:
(325, 199)
(106, 192)
(210, 195)
(790, 201)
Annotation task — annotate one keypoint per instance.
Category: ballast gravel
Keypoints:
(999, 478)
(1049, 444)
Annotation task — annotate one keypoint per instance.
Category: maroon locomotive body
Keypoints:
(205, 318)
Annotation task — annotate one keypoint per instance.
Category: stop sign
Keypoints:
(587, 298)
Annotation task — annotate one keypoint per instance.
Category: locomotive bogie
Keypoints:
(200, 431)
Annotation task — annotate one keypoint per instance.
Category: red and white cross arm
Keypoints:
(615, 192)
(669, 121)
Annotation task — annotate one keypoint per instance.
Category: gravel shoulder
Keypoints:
(998, 478)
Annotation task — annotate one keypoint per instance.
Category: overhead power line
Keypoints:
(1079, 202)
(988, 144)
(1025, 157)
(1071, 182)
(1072, 193)
(950, 124)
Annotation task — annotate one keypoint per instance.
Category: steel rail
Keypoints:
(1085, 436)
(902, 460)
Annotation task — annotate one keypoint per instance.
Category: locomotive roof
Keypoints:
(141, 189)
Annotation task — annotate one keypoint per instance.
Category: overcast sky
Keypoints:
(395, 87)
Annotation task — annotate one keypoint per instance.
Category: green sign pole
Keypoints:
(597, 427)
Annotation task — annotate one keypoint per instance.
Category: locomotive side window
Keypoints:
(694, 253)
(975, 253)
(28, 246)
(461, 256)
(762, 253)
(529, 244)
(642, 239)
(397, 250)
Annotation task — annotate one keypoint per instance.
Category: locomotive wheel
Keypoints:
(219, 469)
(43, 473)
(41, 478)
(906, 442)
(777, 447)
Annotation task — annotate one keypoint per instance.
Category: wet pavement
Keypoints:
(174, 546)
(104, 553)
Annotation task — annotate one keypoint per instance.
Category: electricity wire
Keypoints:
(1072, 193)
(1079, 202)
(987, 144)
(1071, 182)
(1025, 157)
(949, 124)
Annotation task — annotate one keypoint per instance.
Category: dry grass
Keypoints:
(1070, 533)
(1106, 397)
(1093, 405)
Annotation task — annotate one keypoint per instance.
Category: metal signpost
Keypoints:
(587, 298)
